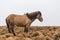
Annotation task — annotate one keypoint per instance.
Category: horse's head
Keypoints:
(35, 15)
(39, 16)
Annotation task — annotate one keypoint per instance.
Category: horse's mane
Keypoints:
(33, 14)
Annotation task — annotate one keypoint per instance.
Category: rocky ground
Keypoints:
(35, 33)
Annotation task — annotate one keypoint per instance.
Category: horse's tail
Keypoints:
(7, 23)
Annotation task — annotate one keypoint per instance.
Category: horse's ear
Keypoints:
(39, 12)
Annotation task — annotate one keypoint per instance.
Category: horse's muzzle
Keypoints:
(41, 19)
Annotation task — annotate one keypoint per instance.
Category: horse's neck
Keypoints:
(33, 20)
(32, 16)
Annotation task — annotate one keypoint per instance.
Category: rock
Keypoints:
(10, 38)
(28, 39)
(2, 37)
(38, 38)
(19, 38)
(20, 35)
(48, 38)
(9, 35)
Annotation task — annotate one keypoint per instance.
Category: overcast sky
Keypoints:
(50, 10)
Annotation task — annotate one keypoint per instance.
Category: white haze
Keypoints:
(50, 10)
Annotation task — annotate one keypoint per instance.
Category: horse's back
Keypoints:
(12, 16)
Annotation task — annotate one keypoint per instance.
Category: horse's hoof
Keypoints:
(14, 34)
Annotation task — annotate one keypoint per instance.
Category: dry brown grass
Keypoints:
(35, 33)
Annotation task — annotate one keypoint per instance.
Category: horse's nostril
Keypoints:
(41, 21)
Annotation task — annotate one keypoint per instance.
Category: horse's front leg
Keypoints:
(26, 29)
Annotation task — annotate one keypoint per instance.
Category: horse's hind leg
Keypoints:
(8, 28)
(12, 29)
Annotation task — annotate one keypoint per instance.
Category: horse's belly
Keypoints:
(19, 21)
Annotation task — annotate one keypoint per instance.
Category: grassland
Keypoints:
(35, 33)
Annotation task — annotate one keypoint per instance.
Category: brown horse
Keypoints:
(22, 20)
